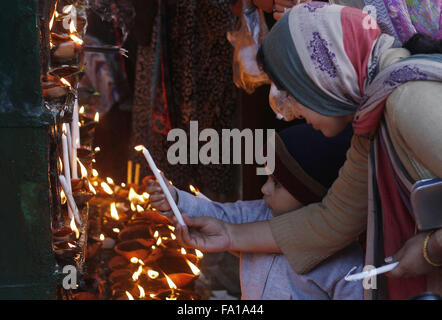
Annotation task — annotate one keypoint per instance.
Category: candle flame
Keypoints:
(123, 185)
(159, 241)
(74, 228)
(91, 188)
(142, 293)
(135, 197)
(152, 274)
(106, 188)
(137, 273)
(94, 173)
(116, 230)
(63, 197)
(171, 228)
(134, 260)
(152, 295)
(173, 236)
(102, 237)
(140, 208)
(139, 148)
(65, 82)
(109, 180)
(129, 296)
(60, 163)
(97, 149)
(146, 195)
(64, 129)
(171, 298)
(193, 267)
(114, 212)
(199, 254)
(81, 110)
(183, 251)
(51, 22)
(156, 234)
(97, 117)
(193, 189)
(171, 284)
(82, 169)
(70, 245)
(76, 39)
(132, 207)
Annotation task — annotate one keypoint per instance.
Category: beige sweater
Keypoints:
(414, 115)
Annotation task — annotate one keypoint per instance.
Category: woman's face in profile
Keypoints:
(286, 105)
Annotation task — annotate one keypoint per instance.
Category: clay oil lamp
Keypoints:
(173, 293)
(63, 234)
(66, 251)
(139, 248)
(118, 262)
(140, 231)
(54, 88)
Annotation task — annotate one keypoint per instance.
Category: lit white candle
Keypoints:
(70, 199)
(163, 186)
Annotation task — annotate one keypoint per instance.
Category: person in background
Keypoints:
(306, 164)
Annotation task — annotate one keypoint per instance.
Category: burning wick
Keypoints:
(129, 296)
(97, 117)
(114, 212)
(142, 293)
(106, 188)
(197, 192)
(193, 267)
(74, 228)
(65, 82)
(199, 254)
(152, 274)
(161, 182)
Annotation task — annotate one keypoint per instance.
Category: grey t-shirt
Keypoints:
(269, 276)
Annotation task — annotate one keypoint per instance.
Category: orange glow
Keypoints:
(193, 267)
(91, 188)
(74, 228)
(152, 274)
(114, 212)
(129, 296)
(65, 82)
(82, 169)
(199, 254)
(142, 293)
(106, 188)
(137, 273)
(171, 284)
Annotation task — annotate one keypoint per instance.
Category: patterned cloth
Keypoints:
(185, 74)
(403, 18)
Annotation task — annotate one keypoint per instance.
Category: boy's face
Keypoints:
(278, 199)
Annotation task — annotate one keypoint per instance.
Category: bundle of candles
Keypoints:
(121, 246)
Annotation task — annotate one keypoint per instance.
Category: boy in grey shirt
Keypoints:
(306, 164)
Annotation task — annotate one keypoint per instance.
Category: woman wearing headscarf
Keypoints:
(336, 71)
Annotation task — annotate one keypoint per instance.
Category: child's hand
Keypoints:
(157, 197)
(204, 233)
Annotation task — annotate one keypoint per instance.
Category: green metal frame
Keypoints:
(27, 264)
